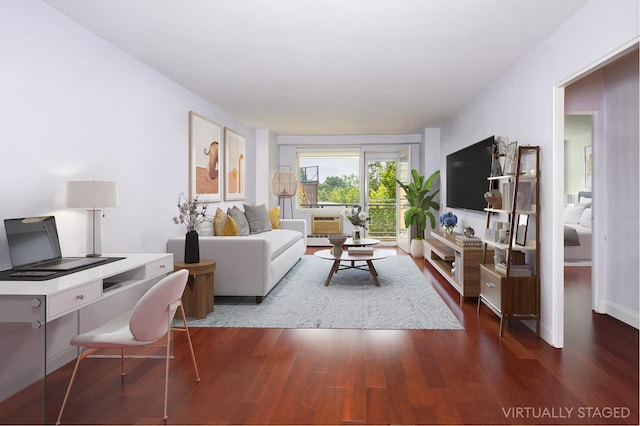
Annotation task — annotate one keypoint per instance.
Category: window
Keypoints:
(328, 178)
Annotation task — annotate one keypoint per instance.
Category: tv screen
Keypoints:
(467, 173)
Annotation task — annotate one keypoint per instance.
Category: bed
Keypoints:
(577, 229)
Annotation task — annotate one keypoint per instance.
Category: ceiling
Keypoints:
(328, 66)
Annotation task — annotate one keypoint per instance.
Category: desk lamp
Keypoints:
(93, 196)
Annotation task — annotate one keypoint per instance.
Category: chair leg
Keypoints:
(83, 354)
(166, 371)
(186, 329)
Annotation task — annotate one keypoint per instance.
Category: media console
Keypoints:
(39, 318)
(458, 264)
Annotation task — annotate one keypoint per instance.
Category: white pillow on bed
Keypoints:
(573, 213)
(585, 201)
(585, 218)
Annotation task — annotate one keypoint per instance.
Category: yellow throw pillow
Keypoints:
(274, 217)
(223, 225)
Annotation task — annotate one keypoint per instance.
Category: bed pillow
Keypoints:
(258, 218)
(585, 218)
(240, 219)
(585, 201)
(573, 213)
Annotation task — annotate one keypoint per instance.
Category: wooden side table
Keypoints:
(197, 298)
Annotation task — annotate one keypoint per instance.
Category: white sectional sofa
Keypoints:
(250, 265)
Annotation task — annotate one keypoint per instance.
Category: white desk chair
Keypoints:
(147, 323)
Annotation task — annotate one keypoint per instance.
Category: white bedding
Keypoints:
(583, 251)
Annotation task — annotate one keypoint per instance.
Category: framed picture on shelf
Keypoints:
(510, 166)
(521, 230)
(234, 165)
(205, 173)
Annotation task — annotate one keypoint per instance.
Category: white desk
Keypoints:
(38, 318)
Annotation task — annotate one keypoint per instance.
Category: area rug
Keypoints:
(404, 300)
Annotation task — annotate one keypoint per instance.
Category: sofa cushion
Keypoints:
(223, 225)
(281, 240)
(258, 218)
(240, 219)
(274, 217)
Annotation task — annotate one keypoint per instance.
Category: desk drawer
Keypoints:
(491, 287)
(159, 267)
(75, 298)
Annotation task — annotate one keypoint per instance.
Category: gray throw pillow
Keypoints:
(240, 219)
(258, 218)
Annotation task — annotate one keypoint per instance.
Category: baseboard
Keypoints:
(620, 313)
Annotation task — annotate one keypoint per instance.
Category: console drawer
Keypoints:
(491, 287)
(75, 298)
(159, 267)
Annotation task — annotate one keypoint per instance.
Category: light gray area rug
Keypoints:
(404, 300)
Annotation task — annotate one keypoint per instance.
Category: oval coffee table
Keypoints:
(352, 258)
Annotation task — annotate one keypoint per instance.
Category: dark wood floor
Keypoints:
(275, 376)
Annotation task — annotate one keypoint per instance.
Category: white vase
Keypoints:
(416, 248)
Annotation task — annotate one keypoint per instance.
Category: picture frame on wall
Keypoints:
(588, 166)
(205, 152)
(234, 165)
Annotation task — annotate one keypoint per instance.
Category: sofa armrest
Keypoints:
(299, 225)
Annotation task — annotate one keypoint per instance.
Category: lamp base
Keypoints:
(93, 255)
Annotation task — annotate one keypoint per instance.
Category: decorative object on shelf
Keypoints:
(93, 196)
(356, 235)
(421, 201)
(448, 221)
(510, 163)
(205, 171)
(284, 185)
(337, 241)
(469, 232)
(521, 231)
(191, 214)
(494, 199)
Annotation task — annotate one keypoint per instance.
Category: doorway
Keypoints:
(381, 196)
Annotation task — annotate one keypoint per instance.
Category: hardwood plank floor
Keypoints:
(315, 376)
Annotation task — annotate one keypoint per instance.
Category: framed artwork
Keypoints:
(588, 166)
(234, 165)
(521, 230)
(205, 174)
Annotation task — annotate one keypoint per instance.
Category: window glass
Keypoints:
(328, 179)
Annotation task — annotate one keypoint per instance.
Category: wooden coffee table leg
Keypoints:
(334, 268)
(373, 272)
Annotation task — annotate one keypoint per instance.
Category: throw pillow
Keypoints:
(258, 218)
(240, 219)
(274, 217)
(223, 225)
(572, 214)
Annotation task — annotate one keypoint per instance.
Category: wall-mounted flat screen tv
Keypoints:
(467, 173)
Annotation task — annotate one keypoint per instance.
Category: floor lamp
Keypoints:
(93, 196)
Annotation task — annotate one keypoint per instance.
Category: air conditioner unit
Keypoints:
(326, 224)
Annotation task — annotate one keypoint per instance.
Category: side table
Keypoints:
(197, 298)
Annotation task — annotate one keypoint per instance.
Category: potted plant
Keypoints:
(421, 200)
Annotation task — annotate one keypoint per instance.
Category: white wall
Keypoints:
(520, 105)
(73, 107)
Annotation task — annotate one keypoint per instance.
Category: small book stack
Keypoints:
(468, 241)
(516, 270)
(360, 250)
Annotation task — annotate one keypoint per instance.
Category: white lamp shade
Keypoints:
(92, 194)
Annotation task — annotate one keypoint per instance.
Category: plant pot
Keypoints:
(191, 247)
(416, 249)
